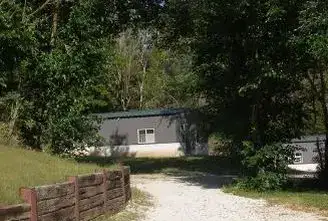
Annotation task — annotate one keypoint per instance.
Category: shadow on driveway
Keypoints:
(205, 180)
(208, 164)
(205, 171)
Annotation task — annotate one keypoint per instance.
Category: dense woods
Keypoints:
(258, 69)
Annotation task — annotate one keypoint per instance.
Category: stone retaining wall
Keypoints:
(83, 197)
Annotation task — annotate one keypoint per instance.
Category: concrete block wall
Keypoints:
(83, 197)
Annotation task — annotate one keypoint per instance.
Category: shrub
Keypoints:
(70, 133)
(264, 180)
(265, 168)
(219, 145)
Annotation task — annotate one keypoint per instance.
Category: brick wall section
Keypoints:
(83, 197)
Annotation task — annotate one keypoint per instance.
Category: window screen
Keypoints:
(146, 135)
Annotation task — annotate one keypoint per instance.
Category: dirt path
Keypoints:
(199, 198)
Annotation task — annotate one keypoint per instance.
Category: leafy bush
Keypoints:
(264, 180)
(71, 133)
(219, 145)
(265, 168)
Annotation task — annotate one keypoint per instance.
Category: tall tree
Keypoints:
(16, 52)
(52, 65)
(246, 69)
(312, 41)
(142, 75)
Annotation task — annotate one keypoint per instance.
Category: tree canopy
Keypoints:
(255, 61)
(258, 69)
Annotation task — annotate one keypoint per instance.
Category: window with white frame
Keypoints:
(298, 158)
(146, 135)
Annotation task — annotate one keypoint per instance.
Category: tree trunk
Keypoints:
(314, 109)
(54, 23)
(142, 84)
(13, 117)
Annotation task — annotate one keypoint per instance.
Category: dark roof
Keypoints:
(142, 113)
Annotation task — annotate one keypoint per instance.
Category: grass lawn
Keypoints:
(304, 200)
(23, 168)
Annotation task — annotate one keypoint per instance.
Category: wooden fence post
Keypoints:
(130, 191)
(123, 182)
(30, 196)
(75, 180)
(105, 176)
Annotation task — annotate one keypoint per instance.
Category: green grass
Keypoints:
(140, 203)
(304, 200)
(24, 168)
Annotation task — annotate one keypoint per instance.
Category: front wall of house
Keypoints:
(126, 129)
(308, 148)
(170, 141)
(308, 151)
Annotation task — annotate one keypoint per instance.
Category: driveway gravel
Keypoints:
(199, 198)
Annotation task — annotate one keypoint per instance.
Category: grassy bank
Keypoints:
(303, 200)
(22, 168)
(140, 203)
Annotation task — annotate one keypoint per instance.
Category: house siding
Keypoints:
(308, 147)
(176, 134)
(126, 129)
(308, 151)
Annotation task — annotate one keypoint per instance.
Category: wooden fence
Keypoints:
(83, 197)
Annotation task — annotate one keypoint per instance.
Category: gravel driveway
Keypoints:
(199, 198)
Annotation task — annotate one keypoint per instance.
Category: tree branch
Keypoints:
(311, 81)
(40, 8)
(24, 10)
(54, 24)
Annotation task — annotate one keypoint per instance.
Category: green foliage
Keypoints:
(218, 144)
(272, 158)
(264, 181)
(52, 67)
(257, 68)
(311, 40)
(62, 60)
(245, 62)
(265, 167)
(142, 75)
(17, 41)
(58, 88)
